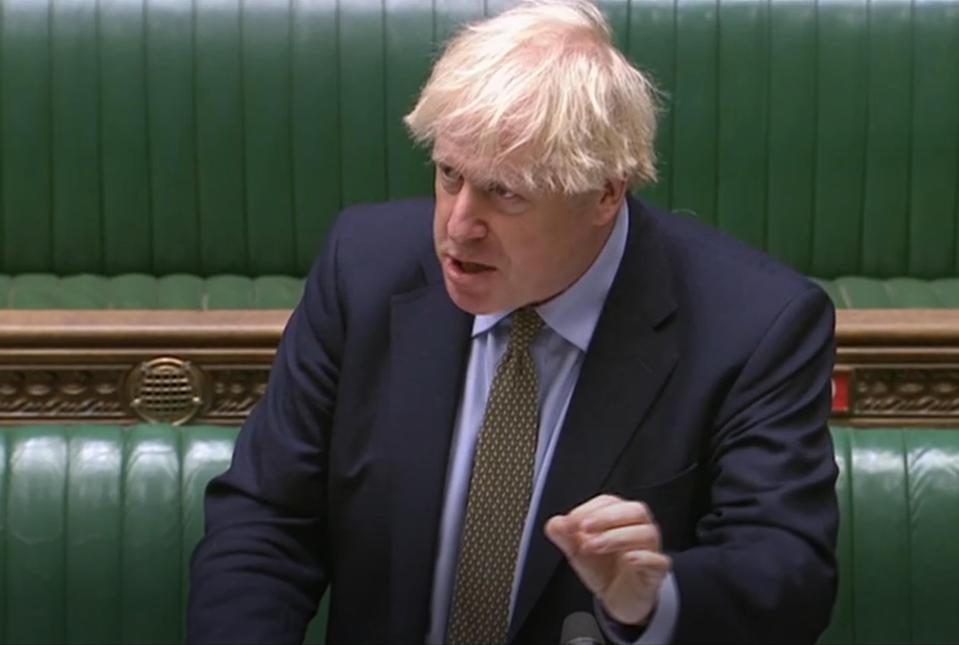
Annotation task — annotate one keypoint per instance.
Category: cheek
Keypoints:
(531, 257)
(439, 222)
(545, 258)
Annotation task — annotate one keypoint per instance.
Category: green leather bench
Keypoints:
(153, 152)
(99, 522)
(187, 291)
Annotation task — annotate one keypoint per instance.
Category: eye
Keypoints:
(501, 191)
(448, 173)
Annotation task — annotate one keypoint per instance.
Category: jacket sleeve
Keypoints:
(764, 567)
(262, 565)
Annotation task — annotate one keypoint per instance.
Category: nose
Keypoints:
(465, 223)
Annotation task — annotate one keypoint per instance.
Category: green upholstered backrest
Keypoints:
(97, 528)
(221, 136)
(898, 550)
(98, 524)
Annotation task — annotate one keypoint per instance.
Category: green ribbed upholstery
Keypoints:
(99, 522)
(138, 291)
(97, 527)
(855, 292)
(898, 495)
(209, 137)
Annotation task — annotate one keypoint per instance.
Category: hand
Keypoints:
(614, 547)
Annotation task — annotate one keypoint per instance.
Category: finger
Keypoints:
(646, 563)
(624, 538)
(561, 535)
(565, 534)
(591, 506)
(623, 513)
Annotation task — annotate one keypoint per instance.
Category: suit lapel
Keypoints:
(631, 354)
(429, 344)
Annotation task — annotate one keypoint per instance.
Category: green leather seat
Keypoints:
(898, 496)
(184, 291)
(139, 291)
(857, 292)
(209, 138)
(99, 522)
(97, 529)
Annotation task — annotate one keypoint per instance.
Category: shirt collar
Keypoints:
(574, 313)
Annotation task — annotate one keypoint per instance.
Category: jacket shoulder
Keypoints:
(705, 259)
(385, 243)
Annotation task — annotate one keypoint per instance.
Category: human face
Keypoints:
(500, 249)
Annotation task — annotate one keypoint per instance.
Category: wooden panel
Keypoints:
(893, 367)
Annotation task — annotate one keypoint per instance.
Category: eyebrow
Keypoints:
(487, 182)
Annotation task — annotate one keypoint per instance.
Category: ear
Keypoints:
(610, 201)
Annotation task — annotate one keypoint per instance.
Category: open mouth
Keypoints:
(471, 267)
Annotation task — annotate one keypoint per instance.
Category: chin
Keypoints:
(475, 305)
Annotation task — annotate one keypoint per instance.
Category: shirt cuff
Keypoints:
(661, 624)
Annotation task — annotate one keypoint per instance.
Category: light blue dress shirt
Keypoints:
(557, 352)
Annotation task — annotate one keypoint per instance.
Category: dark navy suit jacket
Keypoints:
(704, 393)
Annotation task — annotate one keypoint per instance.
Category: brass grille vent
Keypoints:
(166, 390)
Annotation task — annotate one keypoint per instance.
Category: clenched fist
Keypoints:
(613, 545)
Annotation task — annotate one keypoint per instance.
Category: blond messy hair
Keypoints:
(538, 99)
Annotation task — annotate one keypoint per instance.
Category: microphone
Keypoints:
(580, 628)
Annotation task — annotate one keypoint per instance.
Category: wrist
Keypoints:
(649, 614)
(617, 631)
(632, 615)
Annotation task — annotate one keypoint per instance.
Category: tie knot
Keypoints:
(526, 324)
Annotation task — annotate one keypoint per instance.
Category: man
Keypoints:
(556, 400)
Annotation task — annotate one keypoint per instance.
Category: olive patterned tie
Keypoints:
(499, 493)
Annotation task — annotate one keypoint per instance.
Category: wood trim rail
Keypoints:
(162, 328)
(51, 328)
(897, 327)
(893, 367)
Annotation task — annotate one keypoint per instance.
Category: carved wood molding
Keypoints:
(897, 367)
(112, 393)
(134, 366)
(893, 367)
